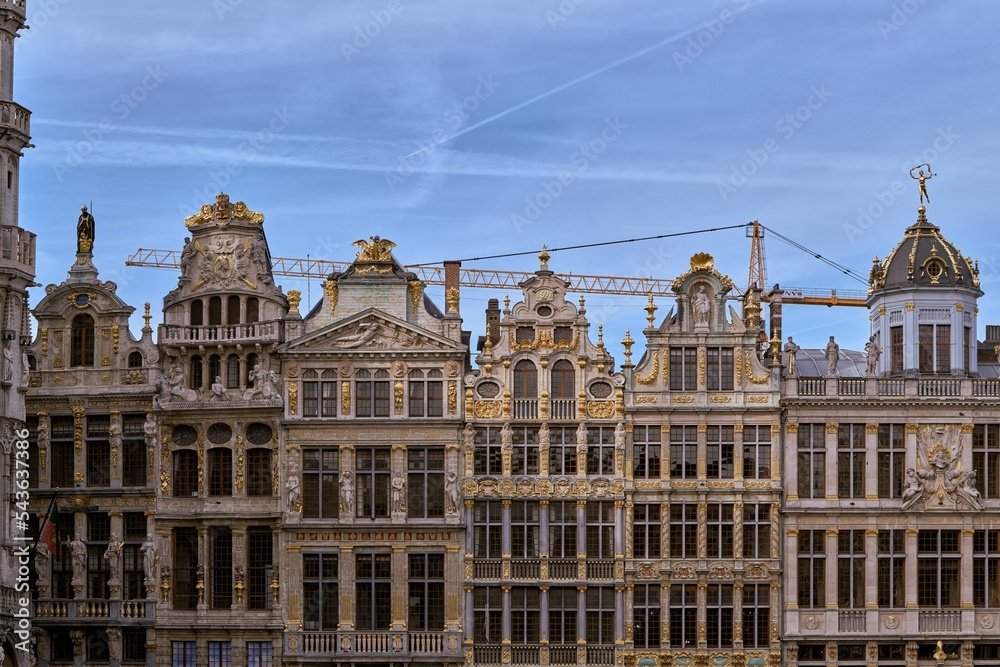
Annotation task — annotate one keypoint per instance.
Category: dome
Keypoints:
(923, 258)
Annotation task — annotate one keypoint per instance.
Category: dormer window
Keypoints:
(562, 335)
(82, 341)
(935, 270)
(135, 360)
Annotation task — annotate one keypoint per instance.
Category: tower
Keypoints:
(14, 119)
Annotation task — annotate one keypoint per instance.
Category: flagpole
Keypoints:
(48, 513)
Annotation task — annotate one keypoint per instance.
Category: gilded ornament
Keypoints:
(58, 336)
(375, 250)
(683, 399)
(645, 399)
(345, 398)
(44, 334)
(701, 367)
(331, 291)
(398, 396)
(758, 398)
(600, 409)
(114, 338)
(274, 476)
(294, 299)
(451, 299)
(755, 379)
(654, 371)
(416, 291)
(201, 468)
(293, 397)
(238, 477)
(78, 430)
(722, 399)
(58, 363)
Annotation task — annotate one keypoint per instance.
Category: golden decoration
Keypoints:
(966, 429)
(58, 363)
(416, 291)
(330, 290)
(72, 299)
(832, 429)
(78, 430)
(398, 396)
(683, 399)
(702, 261)
(650, 309)
(600, 409)
(114, 338)
(146, 317)
(274, 476)
(294, 299)
(238, 477)
(43, 332)
(701, 366)
(58, 335)
(649, 379)
(451, 298)
(722, 399)
(345, 398)
(645, 399)
(487, 409)
(758, 398)
(627, 343)
(106, 361)
(375, 250)
(452, 397)
(755, 379)
(909, 304)
(201, 468)
(293, 398)
(106, 334)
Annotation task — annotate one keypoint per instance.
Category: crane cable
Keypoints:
(847, 271)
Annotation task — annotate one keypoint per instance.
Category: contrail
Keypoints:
(569, 84)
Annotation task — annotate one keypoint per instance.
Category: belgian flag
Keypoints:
(49, 534)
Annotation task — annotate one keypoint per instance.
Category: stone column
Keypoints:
(738, 529)
(470, 530)
(777, 463)
(505, 623)
(702, 451)
(543, 615)
(791, 459)
(702, 616)
(470, 618)
(665, 531)
(965, 575)
(399, 599)
(543, 538)
(619, 614)
(910, 568)
(292, 571)
(79, 460)
(738, 452)
(619, 530)
(831, 568)
(871, 470)
(738, 615)
(581, 615)
(871, 578)
(831, 462)
(348, 577)
(791, 574)
(665, 451)
(702, 529)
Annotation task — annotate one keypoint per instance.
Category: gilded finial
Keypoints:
(583, 305)
(294, 298)
(600, 336)
(506, 304)
(650, 309)
(922, 179)
(627, 343)
(543, 258)
(775, 343)
(147, 317)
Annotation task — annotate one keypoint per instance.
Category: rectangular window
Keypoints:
(756, 615)
(966, 343)
(646, 616)
(851, 569)
(683, 530)
(487, 529)
(851, 461)
(562, 529)
(938, 568)
(896, 350)
(720, 531)
(425, 483)
(986, 568)
(524, 453)
(260, 555)
(600, 529)
(134, 524)
(757, 531)
(562, 451)
(259, 472)
(891, 569)
(260, 654)
(646, 531)
(320, 495)
(134, 645)
(935, 348)
(683, 369)
(220, 575)
(372, 397)
(487, 614)
(328, 394)
(986, 459)
(757, 451)
(185, 568)
(600, 615)
(488, 457)
(134, 463)
(310, 399)
(320, 592)
(220, 654)
(891, 460)
(812, 569)
(184, 654)
(98, 450)
(562, 615)
(719, 614)
(719, 374)
(372, 478)
(719, 452)
(185, 474)
(646, 452)
(812, 460)
(374, 591)
(683, 616)
(426, 591)
(426, 395)
(524, 529)
(62, 564)
(62, 464)
(524, 615)
(600, 450)
(98, 536)
(683, 452)
(220, 471)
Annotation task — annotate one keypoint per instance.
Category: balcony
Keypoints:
(16, 6)
(17, 249)
(939, 621)
(14, 116)
(851, 621)
(525, 408)
(124, 610)
(894, 387)
(562, 408)
(533, 655)
(324, 644)
(251, 332)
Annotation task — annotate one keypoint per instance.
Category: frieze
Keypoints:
(645, 399)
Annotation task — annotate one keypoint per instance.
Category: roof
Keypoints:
(812, 363)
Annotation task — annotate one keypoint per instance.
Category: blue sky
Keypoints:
(445, 126)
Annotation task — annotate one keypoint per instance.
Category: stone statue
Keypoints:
(581, 437)
(271, 385)
(187, 254)
(43, 645)
(874, 352)
(113, 555)
(25, 369)
(149, 430)
(620, 437)
(42, 560)
(8, 362)
(702, 306)
(347, 492)
(148, 550)
(506, 434)
(469, 436)
(13, 529)
(42, 438)
(452, 492)
(85, 231)
(115, 434)
(398, 493)
(257, 381)
(293, 485)
(914, 485)
(791, 349)
(832, 354)
(969, 484)
(78, 552)
(114, 643)
(544, 435)
(219, 391)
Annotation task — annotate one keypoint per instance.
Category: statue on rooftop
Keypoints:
(85, 231)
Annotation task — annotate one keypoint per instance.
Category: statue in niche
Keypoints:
(148, 550)
(702, 306)
(347, 492)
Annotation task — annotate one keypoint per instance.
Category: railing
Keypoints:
(812, 387)
(600, 569)
(525, 569)
(17, 248)
(92, 608)
(487, 569)
(525, 408)
(371, 643)
(14, 115)
(939, 387)
(851, 621)
(939, 621)
(563, 569)
(486, 655)
(16, 5)
(562, 408)
(525, 655)
(562, 655)
(600, 655)
(986, 387)
(851, 386)
(175, 334)
(891, 387)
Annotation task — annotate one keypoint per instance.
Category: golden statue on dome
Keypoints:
(922, 179)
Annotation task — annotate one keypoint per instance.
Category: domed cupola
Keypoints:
(922, 300)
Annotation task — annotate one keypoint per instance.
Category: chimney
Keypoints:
(451, 287)
(775, 302)
(493, 321)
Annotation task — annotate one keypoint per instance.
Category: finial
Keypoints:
(627, 343)
(600, 336)
(922, 179)
(583, 305)
(506, 304)
(488, 346)
(650, 309)
(146, 316)
(775, 343)
(543, 257)
(294, 298)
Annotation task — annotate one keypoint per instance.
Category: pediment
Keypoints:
(372, 330)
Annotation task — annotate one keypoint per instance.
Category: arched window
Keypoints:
(563, 380)
(135, 360)
(215, 311)
(310, 393)
(253, 309)
(220, 471)
(185, 474)
(195, 377)
(197, 313)
(82, 341)
(31, 362)
(233, 371)
(233, 310)
(525, 380)
(214, 368)
(251, 362)
(328, 394)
